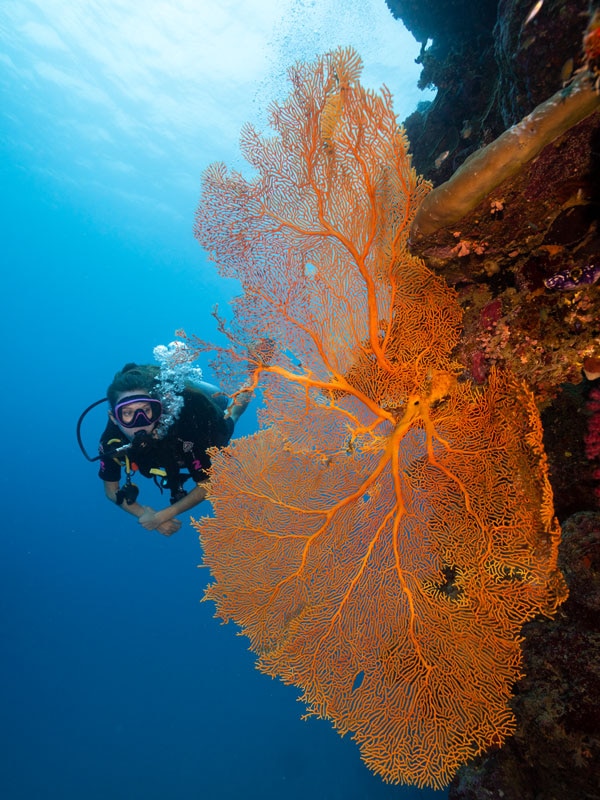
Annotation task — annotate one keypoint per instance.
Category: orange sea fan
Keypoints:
(384, 536)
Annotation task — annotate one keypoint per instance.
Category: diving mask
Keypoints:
(137, 411)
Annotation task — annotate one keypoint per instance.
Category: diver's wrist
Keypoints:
(163, 516)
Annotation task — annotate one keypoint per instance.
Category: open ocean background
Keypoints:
(115, 681)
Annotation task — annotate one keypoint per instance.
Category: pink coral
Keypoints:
(592, 438)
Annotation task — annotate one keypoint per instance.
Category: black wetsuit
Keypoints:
(200, 425)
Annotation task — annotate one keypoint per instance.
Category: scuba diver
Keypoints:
(159, 436)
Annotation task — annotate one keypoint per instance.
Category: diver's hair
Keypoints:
(133, 376)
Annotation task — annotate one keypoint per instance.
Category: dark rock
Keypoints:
(490, 66)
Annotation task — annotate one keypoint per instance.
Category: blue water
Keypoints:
(115, 681)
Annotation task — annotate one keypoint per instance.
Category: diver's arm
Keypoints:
(166, 527)
(157, 519)
(110, 490)
(192, 498)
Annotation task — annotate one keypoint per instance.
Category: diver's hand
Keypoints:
(239, 405)
(169, 527)
(148, 519)
(152, 521)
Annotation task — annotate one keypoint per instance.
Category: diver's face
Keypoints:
(138, 410)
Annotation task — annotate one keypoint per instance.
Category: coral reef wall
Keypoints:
(525, 262)
(490, 66)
